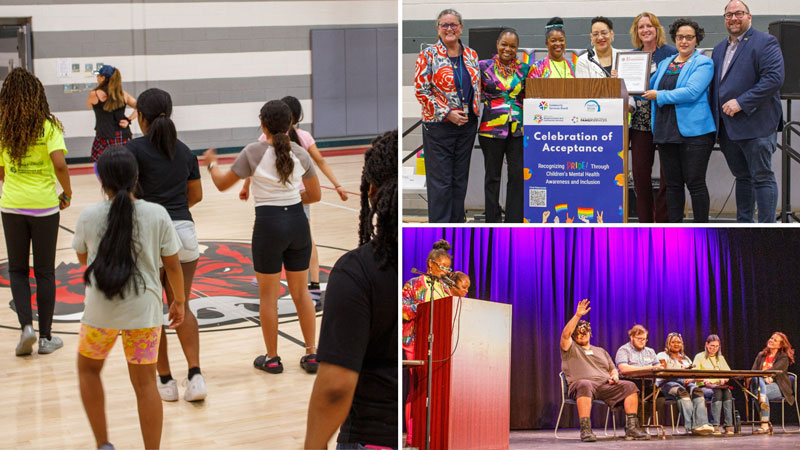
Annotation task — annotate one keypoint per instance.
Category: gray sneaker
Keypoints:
(26, 340)
(49, 345)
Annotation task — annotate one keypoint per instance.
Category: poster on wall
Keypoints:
(573, 160)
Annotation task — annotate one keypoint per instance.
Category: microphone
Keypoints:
(444, 280)
(590, 55)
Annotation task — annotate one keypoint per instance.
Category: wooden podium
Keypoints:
(470, 403)
(587, 88)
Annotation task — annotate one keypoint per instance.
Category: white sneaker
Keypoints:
(195, 389)
(168, 391)
(703, 430)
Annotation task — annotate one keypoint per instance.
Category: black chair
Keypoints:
(565, 400)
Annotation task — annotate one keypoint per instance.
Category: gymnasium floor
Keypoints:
(245, 408)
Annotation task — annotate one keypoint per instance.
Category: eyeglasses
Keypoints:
(451, 26)
(603, 33)
(681, 37)
(444, 268)
(738, 14)
(640, 338)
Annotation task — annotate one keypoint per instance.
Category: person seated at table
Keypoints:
(591, 374)
(689, 397)
(461, 283)
(716, 389)
(777, 355)
(635, 354)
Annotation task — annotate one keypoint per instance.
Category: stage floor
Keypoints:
(530, 439)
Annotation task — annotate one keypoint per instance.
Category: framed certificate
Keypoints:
(634, 68)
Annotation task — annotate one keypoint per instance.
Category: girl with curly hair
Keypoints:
(356, 387)
(32, 153)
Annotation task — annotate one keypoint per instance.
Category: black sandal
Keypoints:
(309, 363)
(272, 365)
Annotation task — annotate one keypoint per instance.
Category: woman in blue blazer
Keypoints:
(682, 124)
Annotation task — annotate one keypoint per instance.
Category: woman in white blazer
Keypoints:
(602, 53)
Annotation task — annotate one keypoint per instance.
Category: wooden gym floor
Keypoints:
(245, 407)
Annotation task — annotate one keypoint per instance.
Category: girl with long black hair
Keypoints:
(170, 176)
(32, 153)
(281, 236)
(356, 387)
(123, 241)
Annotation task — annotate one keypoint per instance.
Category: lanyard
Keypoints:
(457, 73)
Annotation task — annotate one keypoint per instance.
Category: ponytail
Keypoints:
(116, 97)
(156, 108)
(297, 115)
(114, 267)
(283, 158)
(276, 117)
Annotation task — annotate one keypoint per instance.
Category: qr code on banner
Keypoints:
(537, 197)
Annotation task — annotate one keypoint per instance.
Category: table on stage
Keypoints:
(651, 373)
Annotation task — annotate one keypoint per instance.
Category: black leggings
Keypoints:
(20, 231)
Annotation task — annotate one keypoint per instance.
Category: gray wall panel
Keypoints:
(74, 44)
(328, 85)
(531, 31)
(361, 81)
(193, 92)
(387, 79)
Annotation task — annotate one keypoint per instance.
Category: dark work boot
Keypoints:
(586, 430)
(633, 430)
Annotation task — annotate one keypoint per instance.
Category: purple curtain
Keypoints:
(739, 283)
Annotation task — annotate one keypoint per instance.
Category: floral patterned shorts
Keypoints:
(141, 345)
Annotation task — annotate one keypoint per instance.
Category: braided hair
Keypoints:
(380, 171)
(23, 111)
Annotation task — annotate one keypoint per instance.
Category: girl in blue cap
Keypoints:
(108, 101)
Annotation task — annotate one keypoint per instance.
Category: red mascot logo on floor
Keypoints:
(223, 291)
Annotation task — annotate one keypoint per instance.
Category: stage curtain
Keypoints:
(739, 283)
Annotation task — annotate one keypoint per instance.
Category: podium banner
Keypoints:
(573, 160)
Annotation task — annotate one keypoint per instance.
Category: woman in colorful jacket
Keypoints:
(554, 65)
(500, 131)
(447, 83)
(682, 124)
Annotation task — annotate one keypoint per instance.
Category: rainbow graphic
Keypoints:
(561, 207)
(586, 212)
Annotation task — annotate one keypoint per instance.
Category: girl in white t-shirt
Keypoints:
(304, 138)
(123, 291)
(281, 235)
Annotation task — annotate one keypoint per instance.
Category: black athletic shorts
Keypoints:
(281, 236)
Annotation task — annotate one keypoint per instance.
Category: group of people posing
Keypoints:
(141, 241)
(591, 374)
(693, 101)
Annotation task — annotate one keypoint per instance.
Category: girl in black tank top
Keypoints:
(108, 101)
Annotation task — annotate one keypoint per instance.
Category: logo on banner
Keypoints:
(538, 118)
(592, 106)
(543, 105)
(575, 119)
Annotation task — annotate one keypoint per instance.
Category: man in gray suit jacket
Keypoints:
(748, 74)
